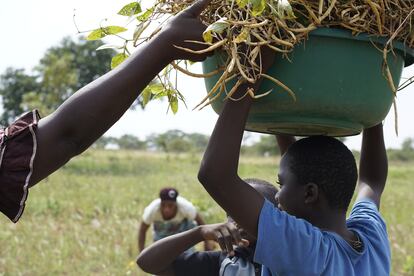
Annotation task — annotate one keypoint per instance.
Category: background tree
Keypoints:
(14, 83)
(178, 141)
(407, 145)
(129, 141)
(170, 141)
(199, 141)
(267, 145)
(61, 72)
(104, 141)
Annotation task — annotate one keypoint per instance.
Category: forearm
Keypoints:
(373, 168)
(91, 111)
(284, 142)
(221, 148)
(141, 243)
(160, 255)
(142, 237)
(96, 107)
(199, 220)
(218, 171)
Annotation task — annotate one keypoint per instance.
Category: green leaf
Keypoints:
(130, 9)
(102, 32)
(115, 29)
(156, 88)
(217, 27)
(174, 104)
(258, 7)
(243, 36)
(96, 34)
(242, 3)
(146, 96)
(144, 16)
(163, 93)
(118, 59)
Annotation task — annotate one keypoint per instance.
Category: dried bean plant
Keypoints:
(242, 27)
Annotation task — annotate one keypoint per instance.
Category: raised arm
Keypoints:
(91, 111)
(218, 170)
(373, 167)
(284, 141)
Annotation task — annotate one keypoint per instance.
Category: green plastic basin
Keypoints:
(338, 82)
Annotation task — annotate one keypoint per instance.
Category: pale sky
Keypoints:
(30, 27)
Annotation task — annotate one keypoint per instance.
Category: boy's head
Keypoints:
(314, 172)
(268, 191)
(168, 198)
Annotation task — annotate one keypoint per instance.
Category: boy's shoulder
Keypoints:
(366, 220)
(365, 213)
(154, 205)
(151, 211)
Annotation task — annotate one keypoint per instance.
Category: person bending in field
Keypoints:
(168, 257)
(32, 148)
(309, 233)
(169, 214)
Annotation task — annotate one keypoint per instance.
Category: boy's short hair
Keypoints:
(265, 188)
(328, 163)
(168, 193)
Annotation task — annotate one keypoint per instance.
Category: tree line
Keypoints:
(70, 65)
(177, 141)
(63, 69)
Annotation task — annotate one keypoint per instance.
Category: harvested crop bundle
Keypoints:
(241, 27)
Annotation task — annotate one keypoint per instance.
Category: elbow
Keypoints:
(213, 176)
(143, 263)
(207, 175)
(74, 146)
(202, 174)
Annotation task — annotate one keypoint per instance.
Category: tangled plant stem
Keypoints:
(241, 27)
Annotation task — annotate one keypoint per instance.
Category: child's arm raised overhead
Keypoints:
(91, 111)
(284, 141)
(373, 167)
(218, 171)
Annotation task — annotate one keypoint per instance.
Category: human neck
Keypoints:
(333, 221)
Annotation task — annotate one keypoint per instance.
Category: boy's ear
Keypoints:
(311, 193)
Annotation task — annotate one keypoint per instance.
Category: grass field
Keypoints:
(83, 219)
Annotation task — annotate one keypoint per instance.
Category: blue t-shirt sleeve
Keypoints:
(285, 243)
(366, 218)
(366, 211)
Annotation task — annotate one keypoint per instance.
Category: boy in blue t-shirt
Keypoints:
(309, 233)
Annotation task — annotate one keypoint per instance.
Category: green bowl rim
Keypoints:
(407, 52)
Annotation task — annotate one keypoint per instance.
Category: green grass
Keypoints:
(83, 219)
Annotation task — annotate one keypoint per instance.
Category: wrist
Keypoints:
(198, 233)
